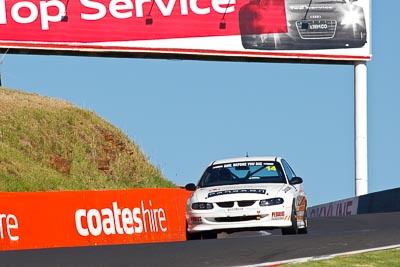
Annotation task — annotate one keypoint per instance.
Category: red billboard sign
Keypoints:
(328, 29)
(31, 220)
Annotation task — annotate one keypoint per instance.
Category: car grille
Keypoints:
(316, 29)
(246, 203)
(230, 204)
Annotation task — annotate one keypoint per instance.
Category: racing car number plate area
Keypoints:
(316, 29)
(234, 209)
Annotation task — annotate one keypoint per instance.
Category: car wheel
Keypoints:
(209, 235)
(193, 236)
(292, 230)
(199, 236)
(305, 229)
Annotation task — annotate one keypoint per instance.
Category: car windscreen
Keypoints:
(242, 173)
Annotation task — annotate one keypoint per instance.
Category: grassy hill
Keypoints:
(49, 144)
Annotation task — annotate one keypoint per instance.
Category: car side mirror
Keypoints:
(190, 187)
(296, 180)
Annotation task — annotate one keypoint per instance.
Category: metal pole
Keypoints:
(360, 123)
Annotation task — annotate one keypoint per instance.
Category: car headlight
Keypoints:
(352, 17)
(202, 206)
(271, 201)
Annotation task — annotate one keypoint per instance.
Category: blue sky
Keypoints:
(184, 114)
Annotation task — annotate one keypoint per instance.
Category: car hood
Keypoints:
(238, 192)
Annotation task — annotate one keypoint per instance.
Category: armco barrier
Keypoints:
(383, 201)
(87, 218)
(343, 207)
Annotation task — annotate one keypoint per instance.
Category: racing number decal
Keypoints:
(271, 168)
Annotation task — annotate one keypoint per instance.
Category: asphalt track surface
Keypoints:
(326, 236)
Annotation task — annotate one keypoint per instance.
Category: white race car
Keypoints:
(249, 193)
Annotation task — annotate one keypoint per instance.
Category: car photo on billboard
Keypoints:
(302, 24)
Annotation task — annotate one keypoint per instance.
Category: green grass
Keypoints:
(36, 132)
(383, 258)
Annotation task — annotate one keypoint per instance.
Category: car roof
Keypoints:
(244, 159)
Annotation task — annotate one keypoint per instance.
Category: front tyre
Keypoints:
(200, 235)
(209, 235)
(193, 236)
(292, 230)
(304, 230)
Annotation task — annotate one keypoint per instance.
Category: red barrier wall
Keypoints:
(87, 218)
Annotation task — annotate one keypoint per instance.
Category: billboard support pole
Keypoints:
(360, 123)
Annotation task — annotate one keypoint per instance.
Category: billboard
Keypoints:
(31, 220)
(258, 29)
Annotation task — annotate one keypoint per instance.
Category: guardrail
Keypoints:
(383, 201)
(87, 218)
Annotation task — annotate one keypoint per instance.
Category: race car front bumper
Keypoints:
(230, 219)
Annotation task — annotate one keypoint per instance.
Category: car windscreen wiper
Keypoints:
(249, 174)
